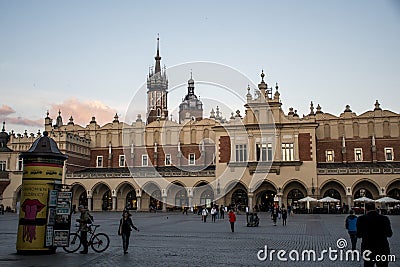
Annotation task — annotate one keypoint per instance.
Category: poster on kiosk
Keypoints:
(59, 219)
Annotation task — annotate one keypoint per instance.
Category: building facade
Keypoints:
(254, 159)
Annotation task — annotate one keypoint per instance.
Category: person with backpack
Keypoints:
(351, 226)
(125, 228)
(84, 220)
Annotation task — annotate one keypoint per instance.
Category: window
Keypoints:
(389, 154)
(20, 163)
(330, 156)
(191, 159)
(241, 153)
(3, 165)
(264, 152)
(99, 162)
(122, 160)
(287, 152)
(358, 155)
(145, 160)
(167, 159)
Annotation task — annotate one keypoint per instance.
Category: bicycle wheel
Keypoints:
(74, 243)
(100, 242)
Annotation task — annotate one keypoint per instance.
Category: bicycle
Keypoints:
(99, 242)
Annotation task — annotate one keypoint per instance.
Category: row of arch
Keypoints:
(177, 195)
(356, 129)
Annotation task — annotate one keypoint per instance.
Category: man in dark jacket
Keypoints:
(374, 229)
(351, 226)
(84, 220)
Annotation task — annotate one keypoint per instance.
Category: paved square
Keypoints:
(174, 239)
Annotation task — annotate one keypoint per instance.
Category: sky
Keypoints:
(89, 58)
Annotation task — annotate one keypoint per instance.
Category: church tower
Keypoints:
(191, 107)
(157, 90)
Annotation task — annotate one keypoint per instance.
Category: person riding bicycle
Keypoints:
(84, 220)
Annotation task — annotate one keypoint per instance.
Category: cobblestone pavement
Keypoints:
(174, 239)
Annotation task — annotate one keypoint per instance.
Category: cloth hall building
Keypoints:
(253, 158)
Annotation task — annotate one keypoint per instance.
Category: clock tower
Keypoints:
(157, 91)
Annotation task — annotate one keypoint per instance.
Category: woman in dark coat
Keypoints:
(125, 228)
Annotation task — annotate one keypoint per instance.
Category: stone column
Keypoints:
(114, 203)
(349, 199)
(138, 200)
(138, 203)
(280, 199)
(164, 200)
(89, 203)
(190, 197)
(250, 201)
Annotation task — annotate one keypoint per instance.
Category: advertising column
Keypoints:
(42, 170)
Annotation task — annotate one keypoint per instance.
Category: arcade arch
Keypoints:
(101, 197)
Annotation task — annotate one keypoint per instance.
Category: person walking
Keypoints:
(125, 228)
(232, 220)
(274, 215)
(351, 226)
(213, 213)
(374, 229)
(222, 212)
(204, 214)
(284, 216)
(84, 220)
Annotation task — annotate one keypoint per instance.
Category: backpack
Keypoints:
(352, 224)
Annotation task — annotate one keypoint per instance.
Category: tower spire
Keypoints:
(157, 57)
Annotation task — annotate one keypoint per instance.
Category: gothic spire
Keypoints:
(157, 68)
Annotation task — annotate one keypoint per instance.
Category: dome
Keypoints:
(44, 147)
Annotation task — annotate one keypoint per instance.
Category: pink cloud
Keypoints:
(24, 121)
(6, 110)
(82, 112)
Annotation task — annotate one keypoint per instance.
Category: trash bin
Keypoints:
(252, 219)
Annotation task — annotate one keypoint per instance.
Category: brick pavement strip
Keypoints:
(173, 239)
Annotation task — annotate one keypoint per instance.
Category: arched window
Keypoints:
(83, 199)
(370, 128)
(155, 200)
(356, 129)
(107, 201)
(327, 131)
(181, 199)
(239, 197)
(294, 195)
(363, 193)
(131, 200)
(333, 193)
(386, 129)
(206, 133)
(168, 137)
(394, 193)
(206, 198)
(341, 129)
(158, 112)
(193, 136)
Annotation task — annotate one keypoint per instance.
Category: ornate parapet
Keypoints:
(140, 172)
(363, 168)
(265, 167)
